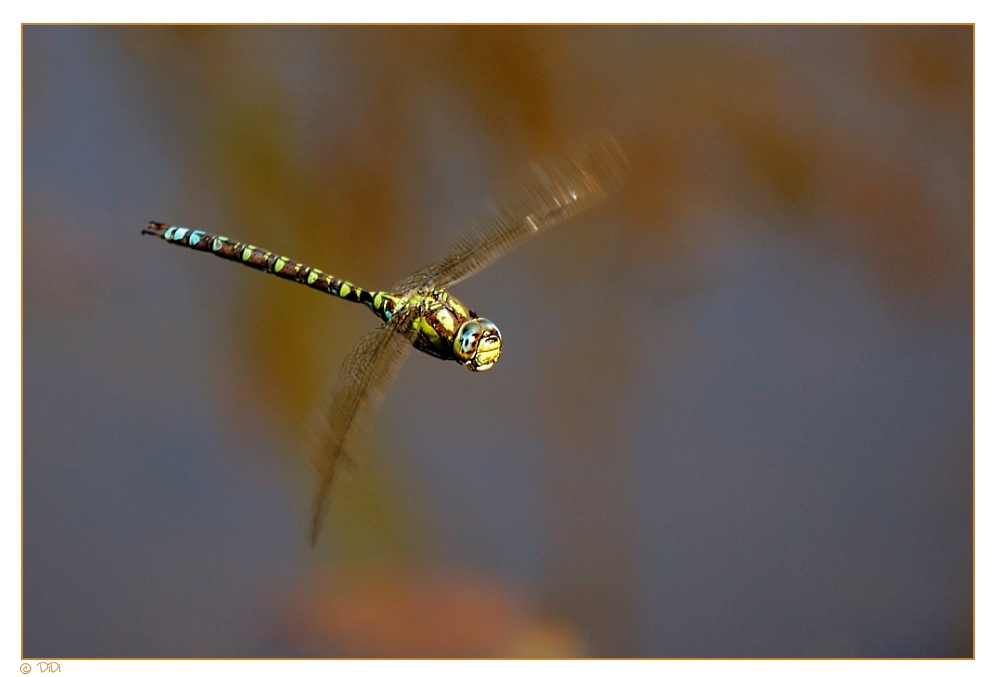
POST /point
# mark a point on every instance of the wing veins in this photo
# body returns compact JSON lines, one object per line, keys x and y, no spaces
{"x":545,"y":194}
{"x":363,"y":380}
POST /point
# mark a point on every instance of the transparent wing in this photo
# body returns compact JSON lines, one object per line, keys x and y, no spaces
{"x":362,"y":382}
{"x":546,"y":193}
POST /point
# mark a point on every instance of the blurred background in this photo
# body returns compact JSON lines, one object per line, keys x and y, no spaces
{"x":734,"y":413}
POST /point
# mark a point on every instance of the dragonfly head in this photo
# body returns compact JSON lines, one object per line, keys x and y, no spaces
{"x":477,"y":344}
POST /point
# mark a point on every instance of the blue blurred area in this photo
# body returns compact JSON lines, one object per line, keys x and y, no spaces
{"x":734,"y":414}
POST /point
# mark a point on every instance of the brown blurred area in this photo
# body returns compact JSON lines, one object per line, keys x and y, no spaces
{"x":713,"y":119}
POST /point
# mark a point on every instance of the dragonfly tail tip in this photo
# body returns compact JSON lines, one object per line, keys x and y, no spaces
{"x":154,"y":228}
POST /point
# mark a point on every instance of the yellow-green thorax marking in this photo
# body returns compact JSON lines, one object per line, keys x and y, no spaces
{"x":437,"y":323}
{"x":448,"y":330}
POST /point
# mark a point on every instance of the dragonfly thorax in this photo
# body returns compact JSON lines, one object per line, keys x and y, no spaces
{"x":447,"y":330}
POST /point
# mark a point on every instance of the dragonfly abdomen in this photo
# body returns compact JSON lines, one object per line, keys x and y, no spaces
{"x":380,"y":303}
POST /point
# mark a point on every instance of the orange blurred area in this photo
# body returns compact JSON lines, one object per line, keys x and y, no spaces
{"x":431,"y":615}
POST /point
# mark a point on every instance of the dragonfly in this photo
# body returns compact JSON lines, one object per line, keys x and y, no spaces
{"x":420,"y":312}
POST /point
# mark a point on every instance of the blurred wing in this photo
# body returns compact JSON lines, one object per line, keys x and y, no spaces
{"x":546,"y":193}
{"x":362,"y":383}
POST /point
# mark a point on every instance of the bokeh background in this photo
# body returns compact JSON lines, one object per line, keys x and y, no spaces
{"x":734,"y":413}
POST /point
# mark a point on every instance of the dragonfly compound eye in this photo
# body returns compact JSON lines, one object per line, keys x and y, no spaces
{"x":477,"y":344}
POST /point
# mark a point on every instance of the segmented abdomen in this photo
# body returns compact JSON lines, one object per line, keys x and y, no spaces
{"x":381,"y":304}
